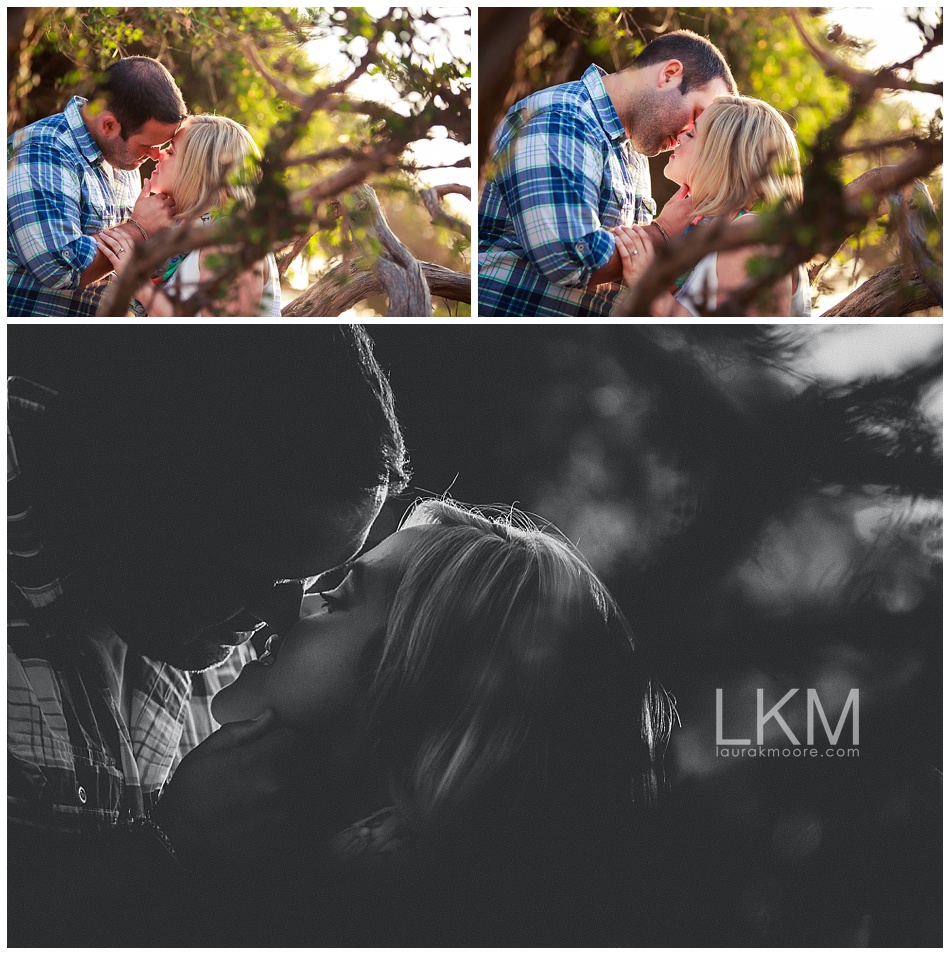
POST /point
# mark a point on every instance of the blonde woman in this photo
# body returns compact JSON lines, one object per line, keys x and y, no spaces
{"x":483,"y":738}
{"x":739,"y":157}
{"x":210,"y":163}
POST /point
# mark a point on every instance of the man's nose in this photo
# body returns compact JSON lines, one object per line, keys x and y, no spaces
{"x":277,"y":605}
{"x":153,"y":152}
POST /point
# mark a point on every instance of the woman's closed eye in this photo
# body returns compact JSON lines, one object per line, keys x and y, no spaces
{"x":338,"y":597}
{"x":331,"y":601}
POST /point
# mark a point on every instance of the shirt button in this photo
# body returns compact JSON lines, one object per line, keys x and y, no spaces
{"x":82,"y":795}
{"x":581,"y":246}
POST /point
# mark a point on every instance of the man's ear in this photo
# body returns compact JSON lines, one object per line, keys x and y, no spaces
{"x":109,"y":125}
{"x":671,"y":73}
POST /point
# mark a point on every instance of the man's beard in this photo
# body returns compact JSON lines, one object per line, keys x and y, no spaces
{"x":120,"y":156}
{"x":202,"y":653}
{"x":652,"y":124}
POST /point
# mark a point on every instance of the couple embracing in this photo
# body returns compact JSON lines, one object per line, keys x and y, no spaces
{"x":76,"y":204}
{"x":447,"y":738}
{"x":567,"y":210}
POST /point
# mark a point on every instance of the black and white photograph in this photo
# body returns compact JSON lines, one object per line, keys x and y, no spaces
{"x":474,"y":635}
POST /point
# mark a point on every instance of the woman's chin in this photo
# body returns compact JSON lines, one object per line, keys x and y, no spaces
{"x":671,"y":174}
{"x":243,"y":699}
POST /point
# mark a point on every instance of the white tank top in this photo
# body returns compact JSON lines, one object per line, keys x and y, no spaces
{"x":187,"y":276}
{"x":701,"y":288}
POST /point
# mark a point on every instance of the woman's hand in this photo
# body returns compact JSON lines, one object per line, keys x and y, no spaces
{"x":636,"y":252}
{"x":115,"y":246}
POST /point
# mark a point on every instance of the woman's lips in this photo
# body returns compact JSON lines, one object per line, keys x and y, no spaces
{"x":271,"y":648}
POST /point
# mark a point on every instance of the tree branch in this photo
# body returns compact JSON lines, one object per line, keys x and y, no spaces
{"x":348,"y":284}
{"x":319,"y":99}
{"x":280,"y":87}
{"x":395,"y":266}
{"x":893,"y":292}
{"x":431,"y":197}
{"x":884,"y":79}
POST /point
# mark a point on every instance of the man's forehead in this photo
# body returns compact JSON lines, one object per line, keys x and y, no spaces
{"x":705,"y":97}
{"x":717,"y":87}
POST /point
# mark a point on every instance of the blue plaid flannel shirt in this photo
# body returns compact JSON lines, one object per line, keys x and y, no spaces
{"x":564,"y":173}
{"x":93,"y":729}
{"x":59,"y":193}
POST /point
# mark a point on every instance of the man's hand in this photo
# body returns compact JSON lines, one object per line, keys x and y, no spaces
{"x":153,"y":213}
{"x":676,"y":215}
{"x":232,"y":792}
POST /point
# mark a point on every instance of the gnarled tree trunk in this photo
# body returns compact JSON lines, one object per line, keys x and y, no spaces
{"x":891,"y":293}
{"x":347,"y":284}
{"x":898,"y":290}
{"x":385,"y":266}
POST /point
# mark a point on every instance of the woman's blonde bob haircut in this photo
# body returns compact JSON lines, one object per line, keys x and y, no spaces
{"x":745,"y":155}
{"x":217,"y":162}
{"x":507,"y":680}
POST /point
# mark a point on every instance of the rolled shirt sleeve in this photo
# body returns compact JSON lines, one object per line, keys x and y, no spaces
{"x":44,"y":196}
{"x":550,"y":176}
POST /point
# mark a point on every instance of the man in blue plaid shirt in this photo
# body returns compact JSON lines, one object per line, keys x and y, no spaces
{"x":570,"y":163}
{"x":72,"y":175}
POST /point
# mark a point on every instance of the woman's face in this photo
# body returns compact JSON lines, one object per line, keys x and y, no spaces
{"x":681,"y":158}
{"x":311,"y":675}
{"x":166,"y":170}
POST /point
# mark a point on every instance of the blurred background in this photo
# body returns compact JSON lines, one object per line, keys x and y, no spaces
{"x":764,"y":501}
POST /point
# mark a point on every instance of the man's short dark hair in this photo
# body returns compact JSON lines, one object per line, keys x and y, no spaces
{"x":137,"y":89}
{"x":246,"y":414}
{"x":702,"y":61}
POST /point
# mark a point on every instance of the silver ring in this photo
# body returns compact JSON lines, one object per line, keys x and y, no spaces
{"x":635,"y":252}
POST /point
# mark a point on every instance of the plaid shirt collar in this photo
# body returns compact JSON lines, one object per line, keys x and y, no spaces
{"x":603,"y":107}
{"x":85,"y":144}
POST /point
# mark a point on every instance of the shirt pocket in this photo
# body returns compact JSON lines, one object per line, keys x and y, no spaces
{"x":98,"y":210}
{"x":50,"y":779}
{"x":618,"y":197}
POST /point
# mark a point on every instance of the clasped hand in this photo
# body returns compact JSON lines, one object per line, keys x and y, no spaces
{"x":151,"y":212}
{"x":231,"y":793}
{"x":636,"y":252}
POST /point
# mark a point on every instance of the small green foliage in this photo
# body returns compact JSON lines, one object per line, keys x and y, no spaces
{"x":758,"y":265}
